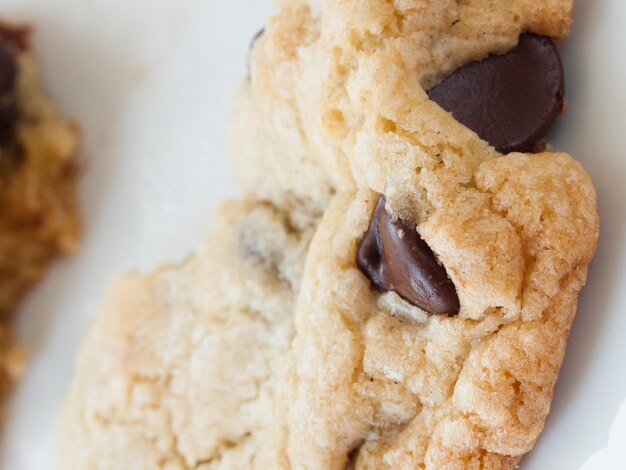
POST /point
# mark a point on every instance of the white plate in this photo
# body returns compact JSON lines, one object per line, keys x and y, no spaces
{"x":150,"y":81}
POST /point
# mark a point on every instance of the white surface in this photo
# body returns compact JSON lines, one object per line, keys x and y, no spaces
{"x":150,"y":80}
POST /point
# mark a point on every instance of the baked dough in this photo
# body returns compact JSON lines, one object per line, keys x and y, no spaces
{"x":38,"y":213}
{"x":335,"y":114}
{"x":180,"y":366}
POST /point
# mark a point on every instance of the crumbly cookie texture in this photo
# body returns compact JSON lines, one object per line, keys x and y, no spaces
{"x":201,"y":368}
{"x":38,"y":214}
{"x":374,"y":382}
{"x":335,"y":114}
{"x":382,"y":389}
{"x":340,"y":85}
{"x":179,"y":368}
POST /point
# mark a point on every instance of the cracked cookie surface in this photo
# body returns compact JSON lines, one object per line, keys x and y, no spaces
{"x":374,"y":380}
{"x":38,"y":213}
{"x":427,"y":391}
{"x":179,"y":367}
{"x":336,"y":97}
{"x":334,"y":115}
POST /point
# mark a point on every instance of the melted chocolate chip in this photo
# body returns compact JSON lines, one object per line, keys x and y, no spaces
{"x":395,"y":258}
{"x":17,"y":36}
{"x":8,"y":119}
{"x":509,"y":100}
{"x":8,"y":109}
{"x":352,"y":457}
{"x":8,"y":71}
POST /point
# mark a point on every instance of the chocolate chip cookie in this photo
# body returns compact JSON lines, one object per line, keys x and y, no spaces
{"x":434,"y":325}
{"x":438,"y":344}
{"x":180,"y":367}
{"x":338,"y":93}
{"x":441,"y":284}
{"x":38,"y":216}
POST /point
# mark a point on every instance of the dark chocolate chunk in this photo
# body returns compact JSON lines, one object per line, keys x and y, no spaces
{"x":8,"y":71}
{"x":353,"y":456}
{"x":16,"y":36}
{"x":8,"y":108}
{"x":8,"y":119}
{"x":509,"y":100}
{"x":394,"y":257}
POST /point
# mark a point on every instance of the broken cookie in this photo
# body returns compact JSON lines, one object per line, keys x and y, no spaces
{"x":431,"y":317}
